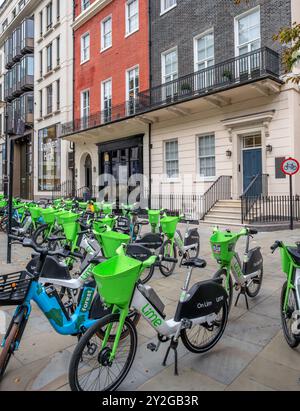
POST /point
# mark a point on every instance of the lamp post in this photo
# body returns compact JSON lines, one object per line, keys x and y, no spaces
{"x":4,"y":104}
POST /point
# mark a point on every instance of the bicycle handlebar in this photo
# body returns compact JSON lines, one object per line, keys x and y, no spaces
{"x":276,"y":245}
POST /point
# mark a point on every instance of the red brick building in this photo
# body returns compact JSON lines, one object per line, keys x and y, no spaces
{"x":111,"y":70}
{"x":125,"y":51}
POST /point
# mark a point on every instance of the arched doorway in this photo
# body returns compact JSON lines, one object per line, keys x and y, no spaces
{"x":88,"y":172}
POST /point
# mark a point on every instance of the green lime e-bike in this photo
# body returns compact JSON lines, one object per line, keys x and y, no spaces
{"x":102,"y":363}
{"x":245,"y":276}
{"x":290,"y":294}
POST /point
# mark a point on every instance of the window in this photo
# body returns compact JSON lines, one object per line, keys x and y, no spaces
{"x":49,"y":15}
{"x":132,"y":16}
{"x":248,"y":32}
{"x":204,"y":58}
{"x":49,"y":57}
{"x":171,"y":158}
{"x":14,"y":13}
{"x":85,"y":107}
{"x":57,"y":10}
{"x":106,"y":33}
{"x":58,"y":95}
{"x":1,"y":93}
{"x":107,"y":100}
{"x":49,"y":159}
{"x":85,"y":48}
{"x":41,"y":103}
{"x":41,"y":63}
{"x":166,"y":5}
{"x":133,"y":88}
{"x":58,"y":51}
{"x":206,"y":155}
{"x":49,"y":99}
{"x":41,"y":24}
{"x":169,"y":72}
{"x":84,"y":4}
{"x":252,"y":141}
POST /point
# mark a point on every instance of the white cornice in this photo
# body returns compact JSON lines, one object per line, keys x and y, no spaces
{"x":90,"y":12}
{"x":264,"y":117}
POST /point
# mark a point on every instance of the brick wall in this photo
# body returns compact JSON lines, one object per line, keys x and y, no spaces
{"x":125,"y":53}
{"x":190,"y":18}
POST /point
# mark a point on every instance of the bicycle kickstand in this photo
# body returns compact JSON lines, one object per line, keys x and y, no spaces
{"x":243,"y":291}
{"x":173,"y":345}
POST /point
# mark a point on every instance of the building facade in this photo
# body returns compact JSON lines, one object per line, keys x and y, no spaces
{"x":111,"y":69}
{"x":37,"y":73}
{"x":17,"y":84}
{"x":53,"y":95}
{"x":218,"y":105}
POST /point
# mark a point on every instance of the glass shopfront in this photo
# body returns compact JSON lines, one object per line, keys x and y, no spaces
{"x":49,"y":159}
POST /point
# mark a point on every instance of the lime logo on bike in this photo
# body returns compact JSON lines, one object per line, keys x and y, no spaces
{"x":152,"y":315}
{"x":86,"y":300}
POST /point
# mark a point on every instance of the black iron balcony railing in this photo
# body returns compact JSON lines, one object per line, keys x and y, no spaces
{"x":250,"y":67}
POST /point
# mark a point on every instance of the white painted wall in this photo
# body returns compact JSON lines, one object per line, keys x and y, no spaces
{"x":283,"y":136}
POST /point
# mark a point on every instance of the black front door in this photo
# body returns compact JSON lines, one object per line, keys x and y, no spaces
{"x":88,"y":172}
{"x":121,"y":160}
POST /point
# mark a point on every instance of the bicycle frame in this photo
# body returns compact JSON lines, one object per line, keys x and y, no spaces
{"x":293,"y":277}
{"x":54,"y":310}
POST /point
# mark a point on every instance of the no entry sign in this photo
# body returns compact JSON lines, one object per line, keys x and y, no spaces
{"x":290,"y":166}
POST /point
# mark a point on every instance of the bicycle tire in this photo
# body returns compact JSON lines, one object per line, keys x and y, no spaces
{"x":292,"y":341}
{"x":162,"y":266}
{"x":78,"y":353}
{"x":259,"y":284}
{"x":223,"y":273}
{"x":208,"y":346}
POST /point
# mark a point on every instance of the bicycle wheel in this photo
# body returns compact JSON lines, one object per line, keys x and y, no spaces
{"x":287,"y":316}
{"x":165,"y":267}
{"x":40,"y":236}
{"x":147,"y":274}
{"x":254,"y":285}
{"x":90,"y":366}
{"x":194,"y":252}
{"x":202,"y":338}
{"x":8,"y":349}
{"x":222,"y":273}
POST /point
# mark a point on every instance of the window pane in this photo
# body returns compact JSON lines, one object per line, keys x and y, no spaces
{"x":207,"y":167}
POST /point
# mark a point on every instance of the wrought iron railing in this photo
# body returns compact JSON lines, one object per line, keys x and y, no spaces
{"x":273,"y":209}
{"x":257,"y":189}
{"x":63,"y":190}
{"x":220,"y":190}
{"x":247,"y":68}
{"x":86,"y":193}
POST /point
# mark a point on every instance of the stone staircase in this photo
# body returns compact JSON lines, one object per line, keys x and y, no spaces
{"x":225,"y":212}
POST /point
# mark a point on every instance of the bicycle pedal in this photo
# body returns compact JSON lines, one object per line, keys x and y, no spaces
{"x":152,"y":347}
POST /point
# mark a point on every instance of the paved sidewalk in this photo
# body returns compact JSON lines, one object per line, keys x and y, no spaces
{"x":252,"y":354}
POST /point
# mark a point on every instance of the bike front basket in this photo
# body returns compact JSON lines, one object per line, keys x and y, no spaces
{"x":71,"y":230}
{"x":35,"y":213}
{"x":116,"y":279}
{"x":49,"y":215}
{"x":223,"y":245}
{"x":111,"y":241}
{"x":14,"y":287}
{"x":169,"y":225}
{"x":107,"y":208}
{"x":154,"y":217}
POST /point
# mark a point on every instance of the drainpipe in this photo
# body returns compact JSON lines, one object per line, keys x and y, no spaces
{"x":73,"y":109}
{"x":150,"y":85}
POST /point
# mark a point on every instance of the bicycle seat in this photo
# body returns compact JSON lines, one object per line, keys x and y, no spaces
{"x":295,"y":254}
{"x":194,"y":262}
